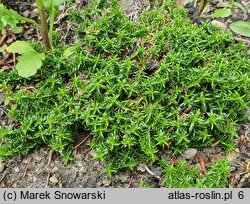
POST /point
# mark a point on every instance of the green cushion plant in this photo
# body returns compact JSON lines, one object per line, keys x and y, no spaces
{"x":182,"y":176}
{"x":138,"y":88}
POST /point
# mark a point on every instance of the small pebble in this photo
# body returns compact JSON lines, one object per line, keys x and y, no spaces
{"x":2,"y":98}
{"x":26,"y":13}
{"x":219,"y":24}
{"x":247,"y":111}
{"x":106,"y":182}
{"x":229,"y":21}
{"x":235,"y":16}
{"x":213,"y":150}
{"x":141,"y":168}
{"x":34,"y":13}
{"x":80,"y":163}
{"x":190,"y":153}
{"x":16,"y":169}
{"x":232,"y":168}
{"x":3,"y":123}
{"x":1,"y":167}
{"x":53,"y":180}
{"x":191,"y":10}
{"x":156,"y":170}
{"x":92,"y":153}
{"x":232,"y":156}
{"x":219,"y":5}
{"x":37,"y":158}
{"x":83,"y":170}
{"x":123,"y":178}
{"x":34,"y":5}
{"x":54,"y":170}
{"x":61,"y":7}
{"x":243,"y":17}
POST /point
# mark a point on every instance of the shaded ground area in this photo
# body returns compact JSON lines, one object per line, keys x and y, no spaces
{"x":41,"y":169}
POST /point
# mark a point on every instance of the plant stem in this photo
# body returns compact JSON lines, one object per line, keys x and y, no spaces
{"x":33,"y":22}
{"x":51,"y":25}
{"x":44,"y":24}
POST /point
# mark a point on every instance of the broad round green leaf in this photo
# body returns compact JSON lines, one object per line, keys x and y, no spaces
{"x":241,"y":27}
{"x":29,"y":63}
{"x":20,"y":47}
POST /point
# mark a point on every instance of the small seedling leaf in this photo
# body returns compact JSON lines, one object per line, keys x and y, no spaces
{"x":52,"y":5}
{"x":239,"y":5}
{"x":235,"y":4}
{"x":20,"y":47}
{"x":221,"y":13}
{"x":206,"y":9}
{"x":1,"y":50}
{"x":241,"y":27}
{"x":17,"y":30}
{"x":11,"y":18}
{"x":68,"y":52}
{"x":29,"y":63}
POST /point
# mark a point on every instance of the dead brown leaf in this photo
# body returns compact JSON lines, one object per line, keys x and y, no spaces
{"x":202,"y":162}
{"x":234,"y":180}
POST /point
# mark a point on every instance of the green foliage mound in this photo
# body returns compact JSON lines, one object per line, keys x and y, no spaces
{"x":184,"y":177}
{"x":138,"y":88}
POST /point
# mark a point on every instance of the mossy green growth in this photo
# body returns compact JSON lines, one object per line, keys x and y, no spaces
{"x":138,"y":88}
{"x":182,"y":176}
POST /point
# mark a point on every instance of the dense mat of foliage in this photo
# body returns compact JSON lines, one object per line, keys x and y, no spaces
{"x":183,"y":177}
{"x":137,"y":87}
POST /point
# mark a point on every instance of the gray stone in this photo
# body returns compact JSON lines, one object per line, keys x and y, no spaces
{"x":243,"y":17}
{"x":26,"y":13}
{"x":156,"y":170}
{"x":235,"y":16}
{"x":124,"y":178}
{"x":229,"y":21}
{"x":191,"y":10}
{"x":106,"y":182}
{"x":232,"y":168}
{"x":16,"y":169}
{"x":83,"y":170}
{"x":2,"y":98}
{"x":219,"y":24}
{"x":141,"y":168}
{"x":54,"y":170}
{"x":247,"y":112}
{"x":220,"y":5}
{"x":34,"y":13}
{"x":1,"y":167}
{"x":190,"y":153}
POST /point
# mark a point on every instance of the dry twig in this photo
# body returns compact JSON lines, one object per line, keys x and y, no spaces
{"x":87,"y":137}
